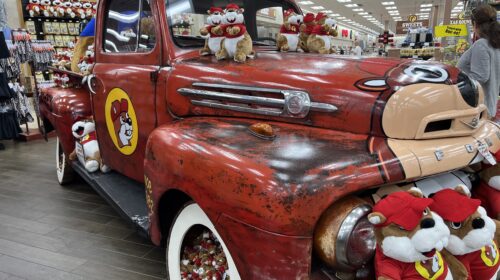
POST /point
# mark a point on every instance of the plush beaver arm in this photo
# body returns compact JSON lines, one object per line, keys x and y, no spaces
{"x":384,"y":278}
{"x":457,"y":269}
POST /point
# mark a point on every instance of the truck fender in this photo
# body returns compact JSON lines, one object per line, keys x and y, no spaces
{"x":281,"y":186}
{"x":61,"y":108}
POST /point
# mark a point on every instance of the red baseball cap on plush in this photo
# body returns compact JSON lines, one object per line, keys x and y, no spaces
{"x":309,"y":18}
{"x":320,"y":16}
{"x":215,"y":9}
{"x":402,"y":209}
{"x":454,"y":206}
{"x":232,"y":6}
{"x":497,"y":156}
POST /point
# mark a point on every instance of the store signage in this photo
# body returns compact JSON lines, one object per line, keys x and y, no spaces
{"x":403,"y":26}
{"x":452,"y":30}
{"x":461,"y":19}
{"x":412,"y":18}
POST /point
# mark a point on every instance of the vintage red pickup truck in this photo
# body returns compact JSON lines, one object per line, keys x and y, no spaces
{"x":178,"y":130}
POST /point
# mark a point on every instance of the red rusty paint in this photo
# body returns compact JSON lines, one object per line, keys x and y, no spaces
{"x":280,"y":186}
{"x":62,"y":108}
{"x":263,"y":196}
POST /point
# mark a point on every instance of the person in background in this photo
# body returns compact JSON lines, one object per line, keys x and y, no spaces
{"x":482,"y":61}
{"x":357,"y":51}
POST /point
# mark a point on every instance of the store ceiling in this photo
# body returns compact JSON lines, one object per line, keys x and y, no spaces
{"x":369,"y":15}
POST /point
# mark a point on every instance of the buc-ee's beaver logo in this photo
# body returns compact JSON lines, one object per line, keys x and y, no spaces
{"x":121,"y":121}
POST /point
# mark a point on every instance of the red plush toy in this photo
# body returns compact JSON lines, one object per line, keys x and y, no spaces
{"x":34,"y":8}
{"x":474,"y":235}
{"x":489,"y":189}
{"x":409,"y":238}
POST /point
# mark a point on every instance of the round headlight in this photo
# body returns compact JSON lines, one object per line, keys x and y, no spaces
{"x":344,"y":238}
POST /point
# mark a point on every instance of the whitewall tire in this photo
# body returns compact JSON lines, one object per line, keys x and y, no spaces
{"x":191,"y":215}
{"x":64,"y":171}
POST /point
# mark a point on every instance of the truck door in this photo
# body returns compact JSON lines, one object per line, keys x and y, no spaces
{"x":128,"y":58}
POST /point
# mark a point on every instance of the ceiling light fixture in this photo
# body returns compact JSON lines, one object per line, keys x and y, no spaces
{"x":306,"y":2}
{"x":387,"y":3}
{"x":352,"y":5}
{"x":318,"y":8}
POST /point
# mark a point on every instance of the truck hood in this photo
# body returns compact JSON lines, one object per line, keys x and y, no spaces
{"x":343,"y":93}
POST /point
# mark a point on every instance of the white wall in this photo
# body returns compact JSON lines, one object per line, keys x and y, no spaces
{"x":13,"y":18}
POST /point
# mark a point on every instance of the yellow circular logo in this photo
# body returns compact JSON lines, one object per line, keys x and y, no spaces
{"x":412,"y":18}
{"x":121,"y":121}
{"x":461,"y":16}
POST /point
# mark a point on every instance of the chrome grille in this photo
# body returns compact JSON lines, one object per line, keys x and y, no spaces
{"x":246,"y":99}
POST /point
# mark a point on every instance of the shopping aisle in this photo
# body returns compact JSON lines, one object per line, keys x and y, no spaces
{"x":53,"y":232}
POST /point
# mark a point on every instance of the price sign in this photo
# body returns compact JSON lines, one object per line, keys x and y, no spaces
{"x":453,"y":30}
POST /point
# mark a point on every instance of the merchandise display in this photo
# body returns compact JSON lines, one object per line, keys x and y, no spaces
{"x":258,"y":139}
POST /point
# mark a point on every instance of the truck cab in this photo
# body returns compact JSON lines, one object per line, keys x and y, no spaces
{"x":183,"y":135}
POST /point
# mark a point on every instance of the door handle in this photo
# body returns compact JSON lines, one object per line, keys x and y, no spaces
{"x":91,"y":83}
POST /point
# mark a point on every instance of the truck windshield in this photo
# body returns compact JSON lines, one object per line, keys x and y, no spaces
{"x":263,"y":19}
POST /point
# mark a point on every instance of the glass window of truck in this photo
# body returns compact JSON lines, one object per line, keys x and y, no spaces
{"x":186,"y":17}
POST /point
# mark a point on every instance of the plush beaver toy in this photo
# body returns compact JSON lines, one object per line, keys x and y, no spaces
{"x":306,"y":29}
{"x":288,"y":38}
{"x":213,"y":32}
{"x":320,"y":39}
{"x":237,"y":43}
{"x":86,"y":147}
{"x":474,"y":236}
{"x":489,"y":189}
{"x":409,"y":237}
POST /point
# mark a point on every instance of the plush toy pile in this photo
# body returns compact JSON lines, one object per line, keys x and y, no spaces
{"x":204,"y":259}
{"x":444,"y":237}
{"x":78,"y":9}
{"x":227,"y":37}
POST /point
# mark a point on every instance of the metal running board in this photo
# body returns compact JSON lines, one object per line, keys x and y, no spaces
{"x":125,"y":195}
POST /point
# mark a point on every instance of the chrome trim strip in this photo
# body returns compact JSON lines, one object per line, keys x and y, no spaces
{"x":345,"y":231}
{"x":237,"y":87}
{"x":213,"y":95}
{"x":211,"y":99}
{"x":211,"y":104}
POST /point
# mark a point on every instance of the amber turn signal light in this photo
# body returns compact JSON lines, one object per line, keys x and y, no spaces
{"x":263,"y":131}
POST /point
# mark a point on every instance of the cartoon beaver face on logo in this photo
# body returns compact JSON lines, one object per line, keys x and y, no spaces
{"x":122,"y":122}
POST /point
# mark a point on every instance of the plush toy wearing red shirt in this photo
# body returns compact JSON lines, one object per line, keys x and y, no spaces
{"x":237,"y":43}
{"x":288,"y":38}
{"x":409,"y":238}
{"x":489,"y":189}
{"x":86,"y":147}
{"x":213,"y":31}
{"x":34,"y":8}
{"x":474,"y":235}
{"x":320,"y":40}
{"x":306,"y":29}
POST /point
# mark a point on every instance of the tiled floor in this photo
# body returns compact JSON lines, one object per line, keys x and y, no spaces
{"x":52,"y":232}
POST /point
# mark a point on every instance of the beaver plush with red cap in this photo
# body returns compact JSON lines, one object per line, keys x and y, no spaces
{"x":306,"y":29}
{"x":288,"y":38}
{"x":474,"y":236}
{"x":489,"y":189}
{"x":409,"y":238}
{"x":320,"y":40}
{"x":237,"y":43}
{"x":213,"y":31}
